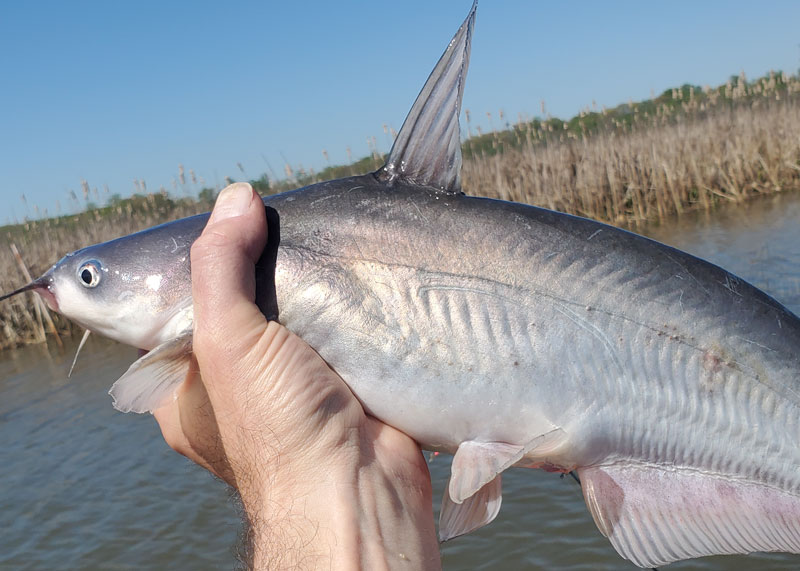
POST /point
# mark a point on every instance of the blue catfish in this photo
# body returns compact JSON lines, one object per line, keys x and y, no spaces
{"x":505,"y":334}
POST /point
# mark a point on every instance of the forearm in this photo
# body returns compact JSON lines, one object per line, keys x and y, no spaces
{"x":356,"y":514}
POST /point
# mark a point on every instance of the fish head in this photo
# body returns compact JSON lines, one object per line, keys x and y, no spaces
{"x":135,"y":289}
{"x":126,"y":299}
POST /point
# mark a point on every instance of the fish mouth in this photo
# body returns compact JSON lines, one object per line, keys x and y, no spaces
{"x":42,"y":286}
{"x":48,"y":296}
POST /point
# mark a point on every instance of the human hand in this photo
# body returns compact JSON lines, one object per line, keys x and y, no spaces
{"x":321,"y":482}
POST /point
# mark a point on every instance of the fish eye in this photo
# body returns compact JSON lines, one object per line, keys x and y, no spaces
{"x":89,"y":273}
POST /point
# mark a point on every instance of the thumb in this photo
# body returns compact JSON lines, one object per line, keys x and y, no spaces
{"x":223,"y":271}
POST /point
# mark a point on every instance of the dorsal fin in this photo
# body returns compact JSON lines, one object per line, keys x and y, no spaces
{"x":427,"y":150}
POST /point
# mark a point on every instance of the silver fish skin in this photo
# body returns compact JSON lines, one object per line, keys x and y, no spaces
{"x":648,"y":367}
{"x":506,"y":334}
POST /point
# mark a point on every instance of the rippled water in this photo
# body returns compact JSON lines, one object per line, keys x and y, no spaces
{"x":84,"y":487}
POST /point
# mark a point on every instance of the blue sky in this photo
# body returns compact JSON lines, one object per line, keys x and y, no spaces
{"x":113,"y":92}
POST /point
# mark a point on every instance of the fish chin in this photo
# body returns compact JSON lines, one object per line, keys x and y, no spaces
{"x":136,"y":322}
{"x":144,"y":330}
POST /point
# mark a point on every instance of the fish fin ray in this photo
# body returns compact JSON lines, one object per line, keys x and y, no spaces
{"x":150,"y":382}
{"x":427,"y":150}
{"x":473,"y":513}
{"x":654,"y":516}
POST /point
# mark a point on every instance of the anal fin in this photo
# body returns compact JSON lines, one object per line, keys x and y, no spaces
{"x":150,"y":382}
{"x":656,"y":515}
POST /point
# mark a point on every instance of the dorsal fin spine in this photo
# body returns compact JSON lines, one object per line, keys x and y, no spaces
{"x":427,"y":150}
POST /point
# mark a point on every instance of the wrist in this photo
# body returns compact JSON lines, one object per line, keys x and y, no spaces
{"x":290,"y":519}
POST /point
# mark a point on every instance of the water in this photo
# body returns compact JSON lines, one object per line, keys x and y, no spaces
{"x":85,"y":487}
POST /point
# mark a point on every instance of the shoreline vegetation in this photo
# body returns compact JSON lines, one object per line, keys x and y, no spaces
{"x":689,"y":148}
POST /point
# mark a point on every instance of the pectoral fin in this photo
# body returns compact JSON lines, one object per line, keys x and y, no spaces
{"x":151,"y":381}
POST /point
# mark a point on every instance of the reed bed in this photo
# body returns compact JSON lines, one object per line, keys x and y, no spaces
{"x":652,"y":170}
{"x":688,"y":149}
{"x":41,"y":243}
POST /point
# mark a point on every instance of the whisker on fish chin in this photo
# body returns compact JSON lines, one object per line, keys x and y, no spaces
{"x":78,"y":352}
{"x":27,"y":287}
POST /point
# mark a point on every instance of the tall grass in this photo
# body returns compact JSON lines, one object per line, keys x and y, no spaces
{"x":43,"y":242}
{"x":689,"y":148}
{"x":651,"y":169}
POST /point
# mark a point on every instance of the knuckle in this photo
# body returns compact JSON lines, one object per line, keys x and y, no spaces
{"x":209,"y":244}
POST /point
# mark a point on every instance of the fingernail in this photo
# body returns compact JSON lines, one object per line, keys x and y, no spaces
{"x":233,"y":200}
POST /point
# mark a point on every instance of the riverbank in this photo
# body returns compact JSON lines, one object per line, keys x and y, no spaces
{"x":664,"y":166}
{"x":688,"y":149}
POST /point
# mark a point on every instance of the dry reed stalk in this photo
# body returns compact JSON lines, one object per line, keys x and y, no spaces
{"x":653,"y":169}
{"x":42,"y":311}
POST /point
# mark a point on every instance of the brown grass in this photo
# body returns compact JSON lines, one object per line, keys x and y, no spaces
{"x":728,"y":145}
{"x":657,"y":168}
{"x":41,"y":243}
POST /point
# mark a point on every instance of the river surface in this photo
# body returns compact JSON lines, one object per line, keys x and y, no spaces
{"x":85,"y":487}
